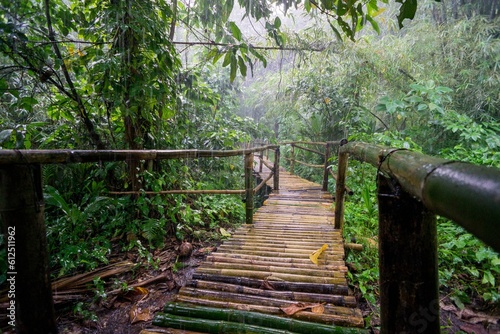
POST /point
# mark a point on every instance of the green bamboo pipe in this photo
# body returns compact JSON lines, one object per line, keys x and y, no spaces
{"x":255,"y":319}
{"x":465,"y":193}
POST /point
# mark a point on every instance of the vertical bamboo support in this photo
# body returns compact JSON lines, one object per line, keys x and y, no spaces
{"x":409,"y":298}
{"x":325,"y":171}
{"x":276,"y":177}
{"x":22,"y":214}
{"x":261,"y":156}
{"x":292,"y":159}
{"x":249,"y":188}
{"x":340,"y":188}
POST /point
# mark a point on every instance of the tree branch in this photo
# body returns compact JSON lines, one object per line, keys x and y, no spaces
{"x":95,"y":138}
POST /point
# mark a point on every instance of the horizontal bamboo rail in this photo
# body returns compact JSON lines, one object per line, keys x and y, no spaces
{"x":181,"y":191}
{"x":304,"y":163}
{"x":309,"y":149}
{"x":8,"y":157}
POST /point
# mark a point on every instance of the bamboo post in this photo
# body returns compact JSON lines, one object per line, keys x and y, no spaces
{"x":30,"y":306}
{"x":276,"y":170}
{"x":292,"y":159}
{"x":261,"y":156}
{"x":340,"y":187}
{"x":249,"y":187}
{"x":325,"y":171}
{"x":409,"y":299}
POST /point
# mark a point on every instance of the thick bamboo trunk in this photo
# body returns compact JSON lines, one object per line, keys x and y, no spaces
{"x":355,"y":319}
{"x":334,"y":289}
{"x":338,"y":300}
{"x":273,"y":269}
{"x":254,"y":318}
{"x":210,"y":326}
{"x":217,"y":258}
{"x":267,"y":275}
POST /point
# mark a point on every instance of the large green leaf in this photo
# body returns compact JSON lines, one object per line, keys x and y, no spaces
{"x":234,"y":67}
{"x":235,"y":31}
{"x":407,"y":10}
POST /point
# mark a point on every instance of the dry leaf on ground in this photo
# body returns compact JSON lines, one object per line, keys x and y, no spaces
{"x":294,"y":308}
{"x":136,"y":314}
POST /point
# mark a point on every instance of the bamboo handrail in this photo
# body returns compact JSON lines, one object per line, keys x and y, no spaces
{"x":465,"y":193}
{"x":412,"y":188}
{"x":305,"y":163}
{"x":310,"y":150}
{"x":180,"y":191}
{"x":263,"y":182}
{"x":78,"y":156}
{"x":267,"y":164}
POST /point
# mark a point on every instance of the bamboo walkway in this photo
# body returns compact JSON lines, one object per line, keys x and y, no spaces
{"x":265,"y":267}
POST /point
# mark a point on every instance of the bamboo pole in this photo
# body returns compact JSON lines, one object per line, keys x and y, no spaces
{"x":254,"y":318}
{"x":221,"y":258}
{"x":337,"y":300}
{"x":340,"y":188}
{"x":78,"y":156}
{"x":292,"y":159}
{"x":311,"y":150}
{"x":276,"y":170}
{"x":305,"y":163}
{"x":263,"y":182}
{"x":325,"y":170}
{"x":303,"y":142}
{"x":353,"y":320}
{"x":210,"y":326}
{"x":179,"y":191}
{"x":319,"y":271}
{"x":409,"y":293}
{"x":268,"y":165}
{"x":261,"y":156}
{"x":334,"y":289}
{"x":249,"y":188}
{"x":465,"y":193}
{"x":31,"y":306}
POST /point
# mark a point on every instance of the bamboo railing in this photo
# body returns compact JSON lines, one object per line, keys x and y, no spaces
{"x":326,"y":154}
{"x":22,"y":216}
{"x":411,"y":189}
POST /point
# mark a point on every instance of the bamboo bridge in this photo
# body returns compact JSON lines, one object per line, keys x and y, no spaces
{"x":265,"y":267}
{"x":262,"y":279}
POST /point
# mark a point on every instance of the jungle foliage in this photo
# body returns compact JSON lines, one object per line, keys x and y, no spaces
{"x":119,"y":75}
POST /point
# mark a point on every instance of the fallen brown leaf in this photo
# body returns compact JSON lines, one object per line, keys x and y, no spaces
{"x":294,"y":308}
{"x":137,"y":315}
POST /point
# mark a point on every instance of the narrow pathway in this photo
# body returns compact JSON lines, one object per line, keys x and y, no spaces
{"x":265,"y":267}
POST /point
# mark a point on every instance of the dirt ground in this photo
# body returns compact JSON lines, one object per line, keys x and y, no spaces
{"x":132,"y":312}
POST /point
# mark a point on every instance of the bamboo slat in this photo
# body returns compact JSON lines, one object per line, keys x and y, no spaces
{"x":265,"y":265}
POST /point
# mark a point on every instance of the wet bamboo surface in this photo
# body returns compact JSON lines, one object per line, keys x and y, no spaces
{"x":265,"y":266}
